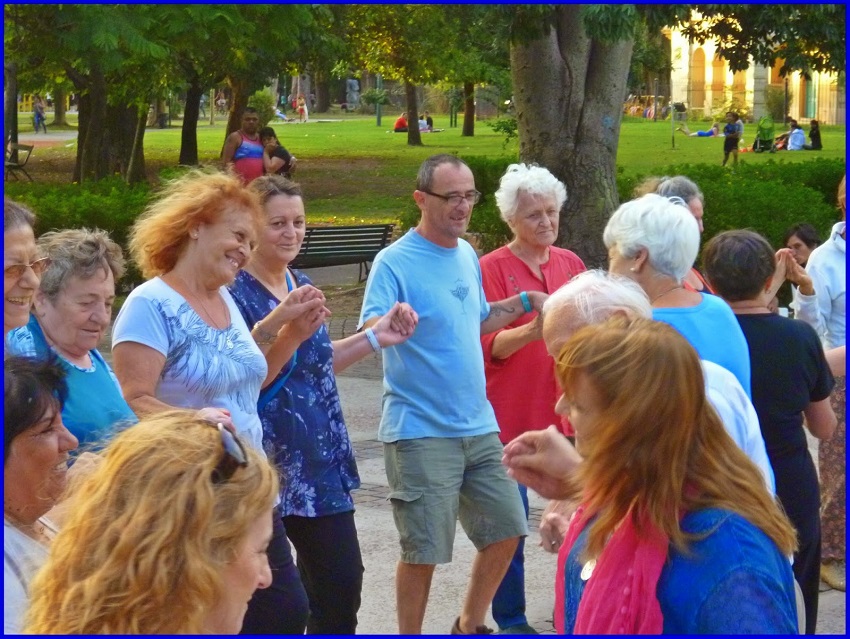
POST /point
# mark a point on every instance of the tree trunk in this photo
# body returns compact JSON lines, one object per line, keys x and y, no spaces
{"x":238,"y":102}
{"x":11,"y":105}
{"x":468,"y":110}
{"x":189,"y":133}
{"x":92,"y":163}
{"x":323,"y":92}
{"x":414,"y":137}
{"x":136,"y":171}
{"x":119,"y":140}
{"x":574,"y":136}
{"x":59,"y":97}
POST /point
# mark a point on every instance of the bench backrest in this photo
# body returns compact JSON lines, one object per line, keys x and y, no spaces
{"x":338,"y":245}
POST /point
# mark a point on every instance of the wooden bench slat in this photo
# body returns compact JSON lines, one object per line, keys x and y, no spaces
{"x":340,"y":245}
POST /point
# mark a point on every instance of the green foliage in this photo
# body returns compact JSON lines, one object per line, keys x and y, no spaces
{"x":506,"y":126}
{"x":264,"y":102}
{"x":767,"y":198}
{"x":375,"y":96}
{"x":775,"y":102}
{"x":110,"y":205}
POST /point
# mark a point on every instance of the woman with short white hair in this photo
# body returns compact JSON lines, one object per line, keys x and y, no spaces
{"x":654,"y":240}
{"x":530,"y":199}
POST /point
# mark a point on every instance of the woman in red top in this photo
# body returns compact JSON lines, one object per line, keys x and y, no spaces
{"x":530,"y":199}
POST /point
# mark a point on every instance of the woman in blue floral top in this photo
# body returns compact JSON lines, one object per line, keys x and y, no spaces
{"x":300,"y":409}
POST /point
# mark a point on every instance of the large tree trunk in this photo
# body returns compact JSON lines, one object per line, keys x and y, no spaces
{"x":414,"y":137}
{"x":238,"y":102}
{"x":189,"y":133}
{"x":90,"y":158}
{"x":468,"y":110}
{"x":136,"y":169}
{"x":119,"y":139}
{"x":11,"y":105}
{"x":323,"y":92}
{"x":574,"y":136}
{"x":59,"y":97}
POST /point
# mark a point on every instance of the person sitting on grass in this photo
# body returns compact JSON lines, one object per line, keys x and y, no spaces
{"x":400,"y":125}
{"x":712,"y":132}
{"x":814,"y":136}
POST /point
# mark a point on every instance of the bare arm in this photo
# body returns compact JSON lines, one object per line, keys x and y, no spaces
{"x":510,"y":340}
{"x":837,"y":360}
{"x":138,"y":369}
{"x":390,"y":329}
{"x":508,"y":310}
{"x":543,"y":460}
{"x":230,"y":145}
{"x":820,"y":419}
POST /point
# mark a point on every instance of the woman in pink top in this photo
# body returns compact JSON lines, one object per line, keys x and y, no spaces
{"x":516,"y":363}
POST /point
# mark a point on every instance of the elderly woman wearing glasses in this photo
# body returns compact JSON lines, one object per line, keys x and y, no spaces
{"x":180,"y":341}
{"x":530,"y":199}
{"x":72,"y":310}
{"x":36,"y":448}
{"x":168,"y":536}
{"x":22,"y":265}
{"x":654,"y":241}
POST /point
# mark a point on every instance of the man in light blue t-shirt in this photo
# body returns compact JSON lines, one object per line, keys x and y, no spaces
{"x":441,"y":446}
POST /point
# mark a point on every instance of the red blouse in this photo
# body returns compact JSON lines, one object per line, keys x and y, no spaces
{"x":522,"y":388}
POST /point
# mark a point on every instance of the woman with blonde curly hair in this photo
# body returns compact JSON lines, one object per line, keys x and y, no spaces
{"x":180,"y":340}
{"x":168,"y":535}
{"x":676,"y":532}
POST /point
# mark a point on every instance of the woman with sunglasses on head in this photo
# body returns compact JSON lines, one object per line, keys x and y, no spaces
{"x":180,"y":341}
{"x":71,"y":312}
{"x":22,"y":265}
{"x":168,"y":536}
{"x":300,"y":407}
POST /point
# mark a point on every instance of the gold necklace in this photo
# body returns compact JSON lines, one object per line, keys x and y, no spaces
{"x":669,"y":290}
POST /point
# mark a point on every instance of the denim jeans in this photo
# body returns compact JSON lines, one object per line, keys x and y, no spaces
{"x":509,"y":601}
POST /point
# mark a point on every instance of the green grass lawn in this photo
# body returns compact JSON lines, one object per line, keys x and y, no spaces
{"x":353,"y":170}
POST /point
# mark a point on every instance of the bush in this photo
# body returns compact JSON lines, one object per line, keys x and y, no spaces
{"x":505,"y":125}
{"x":110,"y":205}
{"x":775,"y":102}
{"x":264,"y":102}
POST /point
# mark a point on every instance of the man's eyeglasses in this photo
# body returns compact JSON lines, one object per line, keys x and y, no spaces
{"x":471,"y":198}
{"x":234,"y":456}
{"x":17,"y":270}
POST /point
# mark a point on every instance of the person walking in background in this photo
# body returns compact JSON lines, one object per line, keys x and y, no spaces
{"x":303,"y":113}
{"x":39,"y":115}
{"x":530,"y":200}
{"x":441,"y":446}
{"x":243,"y":149}
{"x":826,"y":312}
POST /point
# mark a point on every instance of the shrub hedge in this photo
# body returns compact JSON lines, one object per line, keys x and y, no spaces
{"x":767,"y":198}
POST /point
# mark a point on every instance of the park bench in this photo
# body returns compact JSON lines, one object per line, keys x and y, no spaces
{"x":14,"y":163}
{"x":341,"y":245}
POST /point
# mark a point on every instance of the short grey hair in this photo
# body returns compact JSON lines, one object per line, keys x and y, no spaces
{"x":594,"y":296}
{"x":679,"y":186}
{"x":425,"y":177}
{"x":78,"y":253}
{"x":15,"y":215}
{"x":667,"y":230}
{"x":532,"y":179}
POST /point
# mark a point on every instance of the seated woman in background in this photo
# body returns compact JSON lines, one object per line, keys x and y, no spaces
{"x":276,"y":159}
{"x":72,"y":310}
{"x":400,"y":125}
{"x":22,"y":265}
{"x":669,"y":501}
{"x":814,"y":136}
{"x":129,"y":561}
{"x":788,"y":383}
{"x":36,"y":447}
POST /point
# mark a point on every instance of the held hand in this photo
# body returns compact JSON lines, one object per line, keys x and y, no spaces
{"x":543,"y":460}
{"x":303,"y":326}
{"x":554,"y":524}
{"x":537,"y":298}
{"x":302,"y":300}
{"x":217,"y":416}
{"x":796,"y":274}
{"x":396,"y":326}
{"x":779,"y":271}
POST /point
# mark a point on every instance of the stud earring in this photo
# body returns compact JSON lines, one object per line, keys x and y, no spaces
{"x":632,"y":269}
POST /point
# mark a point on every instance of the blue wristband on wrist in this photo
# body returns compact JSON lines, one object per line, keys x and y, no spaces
{"x":373,"y":340}
{"x":526,"y":304}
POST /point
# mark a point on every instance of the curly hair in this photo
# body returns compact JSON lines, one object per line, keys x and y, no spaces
{"x":162,"y":231}
{"x":533,"y":179}
{"x":658,"y":447}
{"x":150,"y":533}
{"x":77,"y":252}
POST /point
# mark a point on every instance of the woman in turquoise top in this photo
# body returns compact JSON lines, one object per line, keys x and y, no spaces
{"x":71,"y":311}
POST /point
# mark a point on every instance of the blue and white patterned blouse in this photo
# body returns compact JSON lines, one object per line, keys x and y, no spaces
{"x":303,"y":426}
